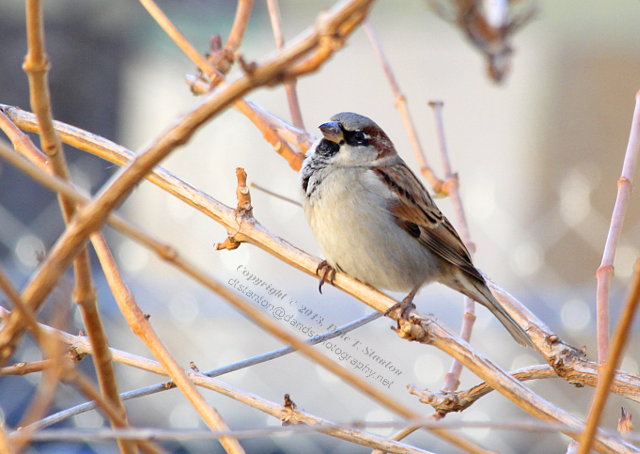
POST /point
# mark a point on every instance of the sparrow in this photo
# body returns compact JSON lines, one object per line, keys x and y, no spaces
{"x":374,"y":220}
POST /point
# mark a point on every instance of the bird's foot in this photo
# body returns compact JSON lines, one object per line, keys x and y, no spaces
{"x":328,"y":274}
{"x":405,"y":307}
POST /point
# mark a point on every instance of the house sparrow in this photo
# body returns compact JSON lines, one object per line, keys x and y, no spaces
{"x":375,"y":221}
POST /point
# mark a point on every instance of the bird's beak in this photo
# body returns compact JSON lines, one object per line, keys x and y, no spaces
{"x":332,"y":131}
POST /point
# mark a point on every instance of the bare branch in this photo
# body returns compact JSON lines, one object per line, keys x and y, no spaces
{"x":289,"y":85}
{"x":619,"y":341}
{"x":403,"y":108}
{"x":36,"y":66}
{"x":141,"y":327}
{"x":425,"y":330}
{"x":80,"y":344}
{"x":26,"y":368}
{"x":605,"y":270}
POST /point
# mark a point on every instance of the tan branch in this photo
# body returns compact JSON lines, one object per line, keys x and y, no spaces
{"x":62,"y":369}
{"x":423,"y":329}
{"x":401,"y":104}
{"x":605,"y":270}
{"x":141,"y":326}
{"x":223,"y":58}
{"x":563,"y":357}
{"x":289,"y":85}
{"x":85,"y":296}
{"x":218,"y":66}
{"x":80,"y":345}
{"x":620,"y":338}
{"x":26,"y":368}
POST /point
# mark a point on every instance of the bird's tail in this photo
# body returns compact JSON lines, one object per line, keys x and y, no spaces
{"x":478,"y":291}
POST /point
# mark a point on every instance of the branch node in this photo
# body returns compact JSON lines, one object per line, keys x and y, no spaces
{"x":229,"y":244}
{"x":244,"y":208}
{"x":289,"y":412}
{"x":623,"y":181}
{"x":625,"y":425}
{"x":412,"y":329}
{"x":247,"y":67}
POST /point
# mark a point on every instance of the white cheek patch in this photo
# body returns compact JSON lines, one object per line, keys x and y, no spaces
{"x":355,"y":156}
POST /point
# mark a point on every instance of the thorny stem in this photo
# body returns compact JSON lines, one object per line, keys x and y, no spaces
{"x":605,"y":270}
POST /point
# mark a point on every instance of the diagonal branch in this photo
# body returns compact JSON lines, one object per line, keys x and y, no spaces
{"x":171,"y":255}
{"x":565,"y":359}
{"x":80,"y":344}
{"x":140,"y":325}
{"x":36,"y":66}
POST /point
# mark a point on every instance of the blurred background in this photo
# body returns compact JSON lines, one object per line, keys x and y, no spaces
{"x":538,"y":159}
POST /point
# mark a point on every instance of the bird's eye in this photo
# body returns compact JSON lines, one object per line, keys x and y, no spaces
{"x":359,"y":137}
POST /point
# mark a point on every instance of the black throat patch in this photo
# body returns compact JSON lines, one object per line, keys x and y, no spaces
{"x":327,"y":148}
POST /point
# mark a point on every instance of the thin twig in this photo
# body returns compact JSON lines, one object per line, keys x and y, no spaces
{"x":36,"y":67}
{"x":51,"y":349}
{"x":403,"y":108}
{"x":290,"y":84}
{"x":195,"y":434}
{"x":619,"y":341}
{"x":451,"y":185}
{"x":275,"y":194}
{"x":605,"y":270}
{"x":80,"y":345}
{"x":26,"y":368}
{"x":444,"y":402}
{"x":63,"y":369}
{"x":140,"y":326}
{"x":222,"y":59}
{"x":216,"y":74}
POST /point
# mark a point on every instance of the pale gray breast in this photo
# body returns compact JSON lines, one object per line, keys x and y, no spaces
{"x":349,"y":216}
